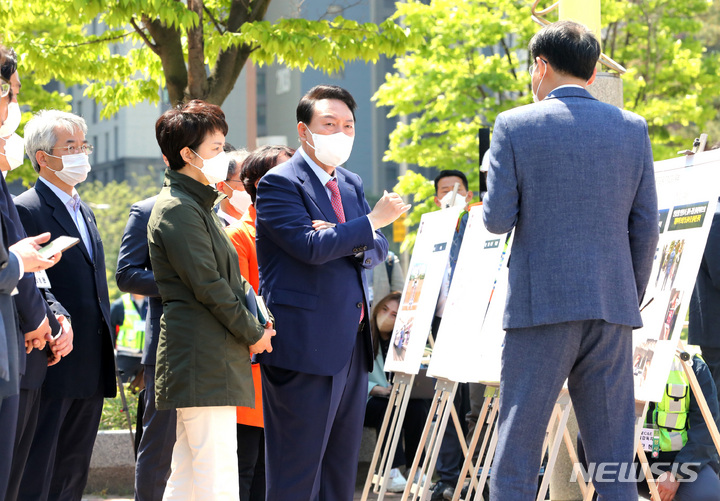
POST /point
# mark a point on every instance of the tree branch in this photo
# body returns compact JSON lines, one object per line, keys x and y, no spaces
{"x":214,"y":21}
{"x":142,"y":34}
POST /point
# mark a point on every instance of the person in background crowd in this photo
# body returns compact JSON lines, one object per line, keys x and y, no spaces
{"x":385,"y":279}
{"x":72,"y":394}
{"x":134,"y":274}
{"x":232,"y":208}
{"x":450,"y":457}
{"x":382,"y":322}
{"x":127,"y":321}
{"x":208,"y":329}
{"x":251,"y":456}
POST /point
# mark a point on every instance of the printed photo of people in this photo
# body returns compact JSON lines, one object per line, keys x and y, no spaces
{"x":642,"y":358}
{"x":402,"y":338}
{"x":416,"y":279}
{"x":669,"y":263}
{"x":671,"y":314}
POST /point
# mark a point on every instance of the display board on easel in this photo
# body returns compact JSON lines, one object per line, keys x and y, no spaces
{"x":688,"y":189}
{"x":458,"y":346}
{"x":422,"y":287}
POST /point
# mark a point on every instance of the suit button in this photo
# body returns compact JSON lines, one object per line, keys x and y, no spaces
{"x":368,"y":261}
{"x":364,"y":247}
{"x":359,"y":305}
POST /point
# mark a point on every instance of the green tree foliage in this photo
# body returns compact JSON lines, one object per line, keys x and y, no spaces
{"x":192,"y":49}
{"x":465,"y":70}
{"x":672,"y":77}
{"x":470,"y":65}
{"x":111,"y":204}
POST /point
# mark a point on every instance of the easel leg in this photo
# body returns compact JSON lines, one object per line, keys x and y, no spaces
{"x":391,"y":427}
{"x":566,"y":405}
{"x":468,"y":463}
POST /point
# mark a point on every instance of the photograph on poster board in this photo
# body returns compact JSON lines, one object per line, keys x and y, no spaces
{"x":422,"y":287}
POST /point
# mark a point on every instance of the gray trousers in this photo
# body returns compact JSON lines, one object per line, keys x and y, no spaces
{"x":156,"y":445}
{"x":596,"y":359}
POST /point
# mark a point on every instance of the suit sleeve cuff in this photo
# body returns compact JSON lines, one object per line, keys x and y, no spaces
{"x":21,"y":266}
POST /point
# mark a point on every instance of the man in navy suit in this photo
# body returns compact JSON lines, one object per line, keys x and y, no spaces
{"x":134,"y":274}
{"x":574,"y":177}
{"x":72,"y":394}
{"x":28,"y":318}
{"x":315,"y":236}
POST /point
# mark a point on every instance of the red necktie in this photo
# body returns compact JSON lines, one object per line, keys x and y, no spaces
{"x":340,"y":214}
{"x":335,"y":200}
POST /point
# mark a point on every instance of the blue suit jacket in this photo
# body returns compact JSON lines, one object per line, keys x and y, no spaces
{"x":79,"y":284}
{"x":574,"y":177}
{"x":134,"y":273}
{"x":9,"y":330}
{"x":704,"y":328}
{"x":313,"y":281}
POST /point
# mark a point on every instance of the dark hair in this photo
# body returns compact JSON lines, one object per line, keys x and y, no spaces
{"x":187,"y":125}
{"x":569,"y":47}
{"x":306,"y":106}
{"x":8,"y":60}
{"x":452,"y":173}
{"x":393,"y":296}
{"x":258,"y":163}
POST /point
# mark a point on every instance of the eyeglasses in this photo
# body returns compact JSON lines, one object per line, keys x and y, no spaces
{"x":4,"y":87}
{"x":531,"y":68}
{"x":72,"y":149}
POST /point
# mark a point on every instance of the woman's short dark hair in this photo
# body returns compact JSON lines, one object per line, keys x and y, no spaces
{"x":8,"y":64}
{"x":306,"y":106}
{"x":569,"y":47}
{"x":393,"y":296}
{"x":187,"y":125}
{"x":258,"y":163}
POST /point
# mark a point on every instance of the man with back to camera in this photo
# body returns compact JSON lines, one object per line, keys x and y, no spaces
{"x":315,"y":235}
{"x":72,"y":394}
{"x":575,"y":178}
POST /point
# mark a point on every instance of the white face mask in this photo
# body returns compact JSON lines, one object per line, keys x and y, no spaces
{"x":215,"y":169}
{"x":331,"y":149}
{"x":240,"y":200}
{"x":14,"y":151}
{"x":12,"y":121}
{"x":75,"y":168}
{"x":459,"y":201}
{"x":535,"y":93}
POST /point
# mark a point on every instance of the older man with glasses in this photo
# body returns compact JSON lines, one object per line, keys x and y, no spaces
{"x":72,"y":392}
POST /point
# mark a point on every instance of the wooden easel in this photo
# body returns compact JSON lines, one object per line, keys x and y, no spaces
{"x":379,"y":478}
{"x":441,"y":409}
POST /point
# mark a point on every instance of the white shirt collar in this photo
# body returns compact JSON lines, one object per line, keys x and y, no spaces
{"x":568,"y":85}
{"x":321,"y":173}
{"x":64,"y":197}
{"x":227,"y":217}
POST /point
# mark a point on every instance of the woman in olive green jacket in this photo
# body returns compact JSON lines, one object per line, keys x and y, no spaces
{"x":207,"y":331}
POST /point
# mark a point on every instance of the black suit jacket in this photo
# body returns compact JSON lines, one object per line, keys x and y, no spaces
{"x":79,"y":286}
{"x":134,"y":273}
{"x":29,"y":303}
